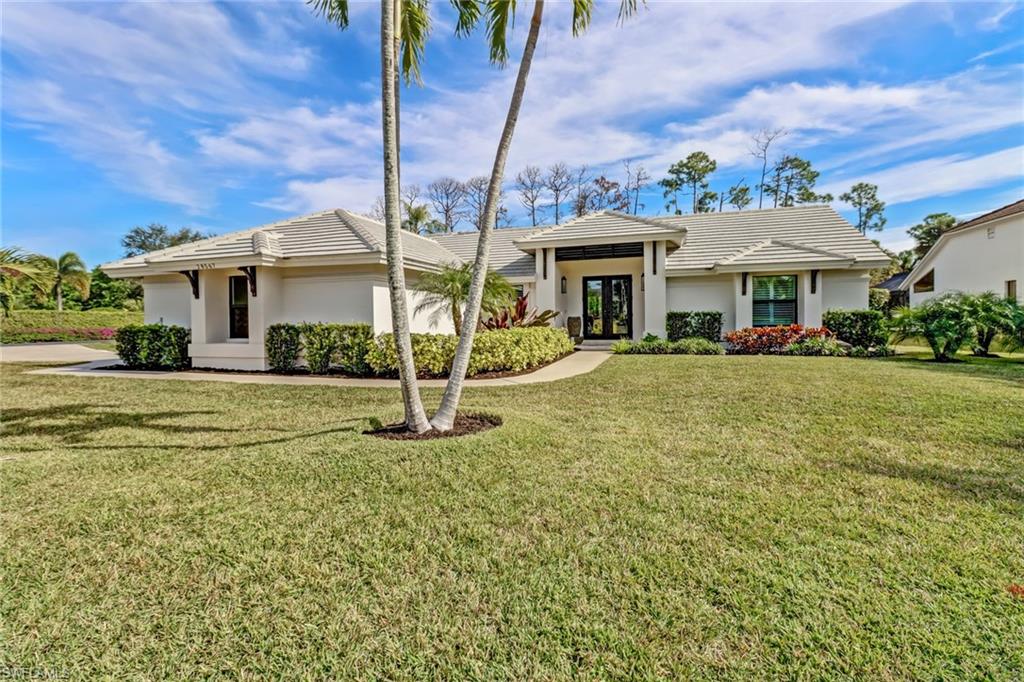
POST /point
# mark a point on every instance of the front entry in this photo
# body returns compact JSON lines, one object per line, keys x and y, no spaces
{"x":608,"y":307}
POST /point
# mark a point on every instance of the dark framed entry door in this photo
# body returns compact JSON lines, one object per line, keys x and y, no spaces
{"x":608,"y":307}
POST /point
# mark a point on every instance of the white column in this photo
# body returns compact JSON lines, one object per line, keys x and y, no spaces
{"x":546,"y":289}
{"x":744,"y":302}
{"x":654,"y":288}
{"x":811,"y":301}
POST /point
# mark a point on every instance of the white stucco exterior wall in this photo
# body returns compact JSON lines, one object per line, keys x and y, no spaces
{"x":844,"y":289}
{"x":166,"y":300}
{"x":976,"y":260}
{"x":689,"y":294}
{"x":654,"y":289}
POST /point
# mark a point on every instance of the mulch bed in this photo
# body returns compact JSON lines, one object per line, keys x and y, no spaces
{"x":465,"y":424}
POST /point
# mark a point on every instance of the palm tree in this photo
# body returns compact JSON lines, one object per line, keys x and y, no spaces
{"x":446,"y":291}
{"x":419,"y":220}
{"x":67,"y":269}
{"x":403,"y":30}
{"x":14,"y":264}
{"x":499,"y":19}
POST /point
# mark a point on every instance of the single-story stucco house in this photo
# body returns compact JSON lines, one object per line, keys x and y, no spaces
{"x":982,"y":254}
{"x":619,"y":273}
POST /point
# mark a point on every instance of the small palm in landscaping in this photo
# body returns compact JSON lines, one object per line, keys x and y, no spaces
{"x":992,"y":316}
{"x":944,"y":322}
{"x":446,"y":292}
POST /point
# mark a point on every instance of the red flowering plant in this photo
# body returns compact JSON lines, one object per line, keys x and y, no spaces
{"x":771,"y":340}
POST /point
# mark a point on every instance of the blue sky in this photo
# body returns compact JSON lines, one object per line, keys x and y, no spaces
{"x":225,"y":116}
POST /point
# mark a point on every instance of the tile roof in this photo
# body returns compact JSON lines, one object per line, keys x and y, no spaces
{"x":1003,"y":212}
{"x":327,"y":233}
{"x":604,"y":224}
{"x":748,"y":239}
{"x":712,"y":238}
{"x":505,"y":258}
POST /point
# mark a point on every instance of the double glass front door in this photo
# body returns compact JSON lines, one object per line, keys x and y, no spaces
{"x":608,"y":307}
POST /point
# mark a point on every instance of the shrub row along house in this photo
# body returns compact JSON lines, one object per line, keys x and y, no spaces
{"x":610,"y":275}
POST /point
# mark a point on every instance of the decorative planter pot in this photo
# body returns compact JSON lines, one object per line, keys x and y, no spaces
{"x":575,"y":326}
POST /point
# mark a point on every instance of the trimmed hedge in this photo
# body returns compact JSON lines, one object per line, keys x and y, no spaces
{"x":283,"y":343}
{"x":25,"y":326}
{"x":863,"y":328}
{"x":499,"y":350}
{"x":153,"y":346}
{"x":324,"y":345}
{"x":690,"y":346}
{"x":703,"y":324}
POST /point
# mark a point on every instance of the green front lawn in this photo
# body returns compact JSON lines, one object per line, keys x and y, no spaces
{"x":662,"y":517}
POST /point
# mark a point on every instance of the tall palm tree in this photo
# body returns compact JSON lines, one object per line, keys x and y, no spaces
{"x":499,"y":18}
{"x":68,"y":269}
{"x":447,"y":290}
{"x":403,"y":32}
{"x":14,"y":264}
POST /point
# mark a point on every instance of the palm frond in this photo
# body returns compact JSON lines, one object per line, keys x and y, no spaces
{"x":501,"y":16}
{"x":334,"y":11}
{"x":581,"y":13}
{"x":415,"y":29}
{"x":627,"y":8}
{"x":469,"y":15}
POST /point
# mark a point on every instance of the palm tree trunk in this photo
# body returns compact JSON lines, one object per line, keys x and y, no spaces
{"x":57,"y":289}
{"x":445,"y":416}
{"x":415,"y":416}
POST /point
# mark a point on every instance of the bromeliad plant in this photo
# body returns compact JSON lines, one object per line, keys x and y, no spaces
{"x":516,"y":315}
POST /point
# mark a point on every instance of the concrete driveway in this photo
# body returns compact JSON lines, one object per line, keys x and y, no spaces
{"x":52,"y":352}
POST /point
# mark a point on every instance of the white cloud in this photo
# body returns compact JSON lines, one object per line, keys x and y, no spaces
{"x":355,"y":193}
{"x":128,"y":154}
{"x":994,"y":22}
{"x":941,"y":176}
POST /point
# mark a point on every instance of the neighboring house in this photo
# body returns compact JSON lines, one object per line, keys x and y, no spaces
{"x":619,"y":273}
{"x":979,"y":255}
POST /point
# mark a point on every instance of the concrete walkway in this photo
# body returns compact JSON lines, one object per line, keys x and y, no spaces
{"x":52,"y":352}
{"x":569,"y":366}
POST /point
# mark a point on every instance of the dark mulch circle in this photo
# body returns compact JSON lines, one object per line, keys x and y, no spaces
{"x":465,"y":424}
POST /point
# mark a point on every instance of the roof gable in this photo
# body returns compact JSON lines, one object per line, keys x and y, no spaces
{"x":604,"y":227}
{"x":326,"y":234}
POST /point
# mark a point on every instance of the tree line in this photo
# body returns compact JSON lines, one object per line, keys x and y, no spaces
{"x":34,"y":281}
{"x":561,"y":191}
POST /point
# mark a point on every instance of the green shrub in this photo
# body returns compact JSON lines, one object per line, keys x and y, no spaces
{"x":517,"y":349}
{"x":432,"y":354}
{"x":690,"y":346}
{"x":875,"y":352}
{"x":815,"y":345}
{"x":992,"y":316}
{"x":697,"y":346}
{"x":283,"y":343}
{"x":153,"y":346}
{"x":943,"y":322}
{"x":354,"y":342}
{"x":324,"y":345}
{"x":23,"y":326}
{"x":500,"y":350}
{"x":705,"y":324}
{"x":857,"y":327}
{"x":878,"y":299}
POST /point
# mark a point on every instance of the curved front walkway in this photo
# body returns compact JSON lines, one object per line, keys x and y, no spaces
{"x":578,"y":363}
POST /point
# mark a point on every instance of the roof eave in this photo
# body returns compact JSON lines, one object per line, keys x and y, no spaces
{"x":529,"y":245}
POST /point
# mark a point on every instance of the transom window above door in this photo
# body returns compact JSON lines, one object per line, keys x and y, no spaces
{"x":774,"y":300}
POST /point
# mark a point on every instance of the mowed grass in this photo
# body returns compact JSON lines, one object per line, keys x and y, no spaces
{"x":661,"y":517}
